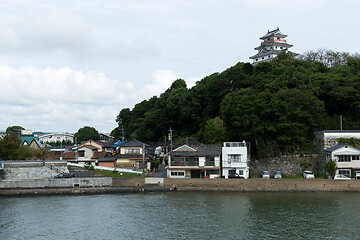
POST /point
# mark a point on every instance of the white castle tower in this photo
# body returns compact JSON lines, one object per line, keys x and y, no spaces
{"x":273,"y":43}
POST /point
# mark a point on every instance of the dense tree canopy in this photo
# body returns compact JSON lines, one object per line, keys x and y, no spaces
{"x":86,"y":133}
{"x":275,"y":105}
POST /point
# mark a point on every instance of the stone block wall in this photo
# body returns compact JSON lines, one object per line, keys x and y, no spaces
{"x":288,"y":165}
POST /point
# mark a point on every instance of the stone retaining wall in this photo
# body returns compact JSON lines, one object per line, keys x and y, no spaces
{"x":288,"y":165}
{"x":58,"y":183}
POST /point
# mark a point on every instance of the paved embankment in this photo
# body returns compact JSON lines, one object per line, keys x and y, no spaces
{"x":135,"y":185}
{"x":261,"y":185}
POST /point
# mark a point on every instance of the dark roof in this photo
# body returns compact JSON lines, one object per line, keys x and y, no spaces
{"x":69,"y":155}
{"x":336,"y":147}
{"x":275,"y":32}
{"x":101,"y":155}
{"x":134,"y":143}
{"x":109,"y":159}
{"x":201,"y":150}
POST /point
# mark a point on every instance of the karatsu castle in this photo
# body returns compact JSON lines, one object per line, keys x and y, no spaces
{"x":272,"y":44}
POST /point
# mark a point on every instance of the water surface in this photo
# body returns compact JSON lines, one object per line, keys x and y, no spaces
{"x":182,"y":215}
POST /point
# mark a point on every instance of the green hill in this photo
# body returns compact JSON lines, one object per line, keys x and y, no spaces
{"x":275,"y":105}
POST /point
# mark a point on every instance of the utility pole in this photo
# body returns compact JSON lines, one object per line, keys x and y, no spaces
{"x":341,"y":122}
{"x":143,"y":159}
{"x":170,"y":136}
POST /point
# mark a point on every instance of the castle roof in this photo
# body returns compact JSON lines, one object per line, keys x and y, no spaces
{"x":273,"y":33}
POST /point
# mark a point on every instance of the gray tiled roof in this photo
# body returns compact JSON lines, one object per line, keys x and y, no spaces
{"x":336,"y":147}
{"x":201,"y":150}
{"x":134,"y":143}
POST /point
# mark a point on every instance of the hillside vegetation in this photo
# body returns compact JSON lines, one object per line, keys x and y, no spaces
{"x":276,"y":105}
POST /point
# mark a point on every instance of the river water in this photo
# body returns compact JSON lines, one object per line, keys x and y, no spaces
{"x":183,"y":215}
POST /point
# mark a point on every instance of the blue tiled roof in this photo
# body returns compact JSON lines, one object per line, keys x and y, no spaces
{"x":118,"y":144}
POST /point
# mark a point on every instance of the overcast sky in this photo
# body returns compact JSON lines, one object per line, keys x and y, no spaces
{"x":67,"y":64}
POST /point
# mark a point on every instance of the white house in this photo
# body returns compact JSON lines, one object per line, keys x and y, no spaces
{"x":201,"y":161}
{"x":235,"y":159}
{"x":347,"y":158}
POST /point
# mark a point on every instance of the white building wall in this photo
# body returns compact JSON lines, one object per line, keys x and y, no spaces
{"x":217,"y":161}
{"x":346,"y":151}
{"x":237,"y":166}
{"x":202,"y":161}
{"x":57,"y":137}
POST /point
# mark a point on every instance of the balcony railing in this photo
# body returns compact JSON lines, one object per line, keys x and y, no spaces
{"x":209,"y":163}
{"x":184,"y":163}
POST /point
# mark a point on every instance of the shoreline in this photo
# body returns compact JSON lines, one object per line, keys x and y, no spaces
{"x":141,"y":185}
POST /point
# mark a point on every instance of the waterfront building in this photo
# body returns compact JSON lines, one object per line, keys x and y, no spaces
{"x":202,"y":161}
{"x":273,"y":43}
{"x":347,"y":158}
{"x":132,"y":154}
{"x":235,"y":159}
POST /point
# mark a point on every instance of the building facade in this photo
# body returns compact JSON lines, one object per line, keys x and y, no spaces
{"x":235,"y":159}
{"x":273,"y":43}
{"x":132,"y":154}
{"x":201,"y":161}
{"x":347,"y":159}
{"x":57,"y":137}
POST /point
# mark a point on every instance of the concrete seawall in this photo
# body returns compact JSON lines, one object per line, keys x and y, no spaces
{"x":57,"y":183}
{"x":136,"y":185}
{"x":280,"y":185}
{"x":261,"y":185}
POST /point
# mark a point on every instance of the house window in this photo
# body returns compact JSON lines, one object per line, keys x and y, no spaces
{"x":256,"y":59}
{"x":234,"y":158}
{"x":179,"y":174}
{"x":355,"y":157}
{"x":344,"y":158}
{"x":132,"y":151}
{"x":241,"y":172}
{"x":345,"y":172}
{"x":232,"y":172}
{"x":210,"y":161}
{"x":81,"y":153}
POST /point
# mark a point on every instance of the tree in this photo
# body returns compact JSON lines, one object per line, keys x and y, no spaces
{"x":86,"y":133}
{"x":15,"y":129}
{"x":9,"y":146}
{"x":214,"y":131}
{"x":330,"y":167}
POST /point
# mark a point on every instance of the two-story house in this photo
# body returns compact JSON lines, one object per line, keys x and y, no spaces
{"x":132,"y":154}
{"x":235,"y":159}
{"x":91,"y":151}
{"x":202,"y":161}
{"x":347,"y":158}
